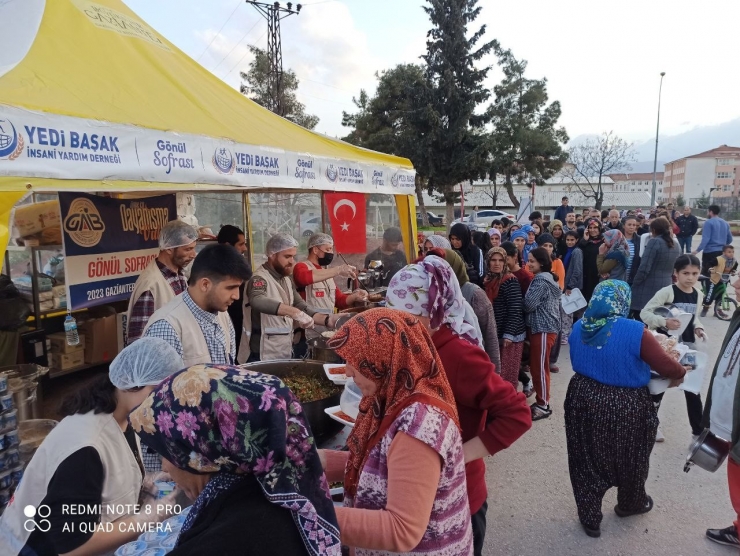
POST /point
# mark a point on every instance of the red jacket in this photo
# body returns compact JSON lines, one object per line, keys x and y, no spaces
{"x":488,"y":405}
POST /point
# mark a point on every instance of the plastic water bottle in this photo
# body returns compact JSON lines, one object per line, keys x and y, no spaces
{"x":70,"y":329}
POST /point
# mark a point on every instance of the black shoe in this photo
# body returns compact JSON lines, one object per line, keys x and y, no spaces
{"x":704,"y":310}
{"x":627,"y":513}
{"x":593,"y":533}
{"x":726,"y":536}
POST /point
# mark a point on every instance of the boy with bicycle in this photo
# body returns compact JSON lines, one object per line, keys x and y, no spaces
{"x":726,"y":264}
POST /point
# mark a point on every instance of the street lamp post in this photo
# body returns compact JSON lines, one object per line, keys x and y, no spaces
{"x":657,"y":130}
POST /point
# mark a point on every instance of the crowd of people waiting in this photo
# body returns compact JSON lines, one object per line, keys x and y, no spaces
{"x":439,"y":369}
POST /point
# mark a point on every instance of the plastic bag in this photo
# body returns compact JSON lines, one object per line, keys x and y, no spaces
{"x":694,"y":379}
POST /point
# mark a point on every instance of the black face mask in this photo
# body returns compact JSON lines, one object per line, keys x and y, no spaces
{"x":326,"y":259}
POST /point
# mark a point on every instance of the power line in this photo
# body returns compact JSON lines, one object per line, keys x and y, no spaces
{"x":245,"y":55}
{"x":219,"y":31}
{"x":244,"y":36}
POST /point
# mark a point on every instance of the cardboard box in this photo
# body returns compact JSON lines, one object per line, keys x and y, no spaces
{"x":33,"y":218}
{"x":101,"y":339}
{"x":58,"y":343}
{"x":69,"y":360}
{"x":121,"y":331}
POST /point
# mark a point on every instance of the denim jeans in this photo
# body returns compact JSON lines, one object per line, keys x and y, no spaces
{"x":685,"y":244}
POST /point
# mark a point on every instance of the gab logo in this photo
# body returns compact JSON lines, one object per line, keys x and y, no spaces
{"x":42,"y":524}
{"x":11,"y":142}
{"x":83,"y":223}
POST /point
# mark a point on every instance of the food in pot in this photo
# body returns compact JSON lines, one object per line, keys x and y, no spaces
{"x":310,"y":388}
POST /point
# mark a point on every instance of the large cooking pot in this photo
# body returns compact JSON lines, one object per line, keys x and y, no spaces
{"x":322,"y":426}
{"x":708,"y":452}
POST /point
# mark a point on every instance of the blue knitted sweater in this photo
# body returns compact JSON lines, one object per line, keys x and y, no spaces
{"x":617,"y":363}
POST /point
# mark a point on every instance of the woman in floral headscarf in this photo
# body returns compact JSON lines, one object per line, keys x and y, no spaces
{"x":239,"y":444}
{"x":492,"y":414}
{"x":404,"y":474}
{"x":614,"y":254}
{"x":610,"y":420}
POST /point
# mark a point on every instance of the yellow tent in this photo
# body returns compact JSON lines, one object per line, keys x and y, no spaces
{"x":92,"y":98}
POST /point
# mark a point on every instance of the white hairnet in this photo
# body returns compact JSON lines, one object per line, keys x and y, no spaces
{"x":279,"y":242}
{"x":148,"y":361}
{"x":176,"y":233}
{"x":317,"y":240}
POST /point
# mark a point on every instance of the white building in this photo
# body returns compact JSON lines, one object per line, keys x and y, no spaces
{"x":712,"y":173}
{"x":638,"y":182}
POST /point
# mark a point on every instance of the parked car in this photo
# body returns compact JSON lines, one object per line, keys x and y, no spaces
{"x":481,"y":220}
{"x":434,"y":220}
{"x":308,"y":226}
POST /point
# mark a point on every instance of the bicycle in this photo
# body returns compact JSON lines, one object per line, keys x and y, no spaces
{"x":725,"y":306}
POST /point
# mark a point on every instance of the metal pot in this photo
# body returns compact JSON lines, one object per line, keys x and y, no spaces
{"x":318,"y":351}
{"x":708,"y":452}
{"x":23,"y":384}
{"x":322,"y":426}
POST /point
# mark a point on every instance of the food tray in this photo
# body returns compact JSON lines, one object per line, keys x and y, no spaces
{"x":336,"y":414}
{"x":340,"y":379}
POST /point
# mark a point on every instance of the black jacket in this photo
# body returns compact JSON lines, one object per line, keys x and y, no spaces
{"x":688,"y":225}
{"x":242,"y":523}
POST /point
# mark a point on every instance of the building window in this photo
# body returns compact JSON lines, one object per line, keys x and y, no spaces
{"x":725,"y":188}
{"x":725,"y":175}
{"x":725,"y":161}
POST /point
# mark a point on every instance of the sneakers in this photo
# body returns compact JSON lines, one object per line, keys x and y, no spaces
{"x":704,"y":310}
{"x":564,"y":341}
{"x":528,"y":390}
{"x":726,"y":536}
{"x":540,"y":412}
{"x":627,"y":513}
{"x":659,"y":436}
{"x":554,"y":369}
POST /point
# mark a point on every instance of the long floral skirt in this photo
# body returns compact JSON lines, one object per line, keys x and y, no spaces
{"x":610,"y":432}
{"x":511,"y":359}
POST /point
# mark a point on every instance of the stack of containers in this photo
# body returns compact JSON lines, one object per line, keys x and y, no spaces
{"x":156,"y":543}
{"x":11,"y":469}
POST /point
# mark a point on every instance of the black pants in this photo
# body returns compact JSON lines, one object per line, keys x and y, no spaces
{"x":479,"y":529}
{"x":694,"y":409}
{"x":709,"y":260}
{"x":524,"y":378}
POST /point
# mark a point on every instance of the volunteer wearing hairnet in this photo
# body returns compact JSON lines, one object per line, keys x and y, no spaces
{"x":90,"y":460}
{"x":315,"y":282}
{"x":276,"y":307}
{"x":163,"y":279}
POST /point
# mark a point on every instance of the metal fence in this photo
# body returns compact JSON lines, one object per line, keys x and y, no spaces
{"x":729,"y":206}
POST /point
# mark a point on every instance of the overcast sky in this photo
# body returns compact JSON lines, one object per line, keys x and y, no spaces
{"x":602,"y":60}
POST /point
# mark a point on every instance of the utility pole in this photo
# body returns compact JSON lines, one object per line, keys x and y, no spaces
{"x":274,"y":13}
{"x":657,"y":131}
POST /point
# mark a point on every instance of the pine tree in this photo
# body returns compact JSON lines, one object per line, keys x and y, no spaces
{"x":452,"y":137}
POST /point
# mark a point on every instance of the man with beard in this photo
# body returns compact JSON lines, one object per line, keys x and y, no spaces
{"x":276,"y":307}
{"x":196,"y":323}
{"x":570,"y":224}
{"x":163,"y":279}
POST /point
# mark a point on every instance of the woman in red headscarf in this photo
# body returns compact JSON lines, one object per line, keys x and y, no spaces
{"x":404,"y":474}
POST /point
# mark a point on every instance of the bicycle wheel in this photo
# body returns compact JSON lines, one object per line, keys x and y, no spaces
{"x":725,"y":314}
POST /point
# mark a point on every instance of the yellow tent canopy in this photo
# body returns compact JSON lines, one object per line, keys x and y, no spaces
{"x":92,"y":96}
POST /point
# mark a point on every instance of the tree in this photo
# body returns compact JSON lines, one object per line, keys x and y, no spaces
{"x":525,"y":143}
{"x":382,"y":122}
{"x":680,"y":201}
{"x":703,"y":201}
{"x":593,"y":159}
{"x":451,"y":135}
{"x":255,"y":86}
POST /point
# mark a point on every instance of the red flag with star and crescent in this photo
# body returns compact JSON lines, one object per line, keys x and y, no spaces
{"x":348,"y":221}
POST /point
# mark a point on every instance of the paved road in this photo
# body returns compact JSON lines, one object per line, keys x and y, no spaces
{"x":531,"y":507}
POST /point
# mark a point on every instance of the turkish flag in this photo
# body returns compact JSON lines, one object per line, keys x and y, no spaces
{"x":348,"y":221}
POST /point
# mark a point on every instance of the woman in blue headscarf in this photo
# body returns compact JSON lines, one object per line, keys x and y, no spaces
{"x":610,"y":420}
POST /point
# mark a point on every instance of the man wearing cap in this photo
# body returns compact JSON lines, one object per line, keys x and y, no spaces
{"x":315,"y":282}
{"x":195,"y":322}
{"x":274,"y":309}
{"x":390,"y":254}
{"x":231,"y":235}
{"x":163,"y":278}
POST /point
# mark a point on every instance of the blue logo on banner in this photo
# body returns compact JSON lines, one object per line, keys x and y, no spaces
{"x":11,"y":143}
{"x":223,"y":161}
{"x":332,"y":174}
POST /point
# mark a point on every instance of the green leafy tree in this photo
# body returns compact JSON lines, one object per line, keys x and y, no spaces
{"x":703,"y":201}
{"x":526,"y":143}
{"x":255,"y":86}
{"x":680,"y":201}
{"x":451,"y":130}
{"x":382,"y":122}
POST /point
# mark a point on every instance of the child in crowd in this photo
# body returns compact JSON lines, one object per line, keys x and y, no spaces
{"x":726,"y":264}
{"x":548,"y":242}
{"x":686,"y":295}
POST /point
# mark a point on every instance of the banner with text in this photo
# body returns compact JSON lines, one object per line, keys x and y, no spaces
{"x":108,"y":243}
{"x":62,"y":147}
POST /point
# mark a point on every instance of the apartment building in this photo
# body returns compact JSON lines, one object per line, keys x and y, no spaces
{"x":713,"y":173}
{"x":634,"y":182}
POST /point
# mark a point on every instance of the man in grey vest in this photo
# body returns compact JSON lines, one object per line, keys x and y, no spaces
{"x":274,"y":308}
{"x":163,"y":279}
{"x":196,"y":323}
